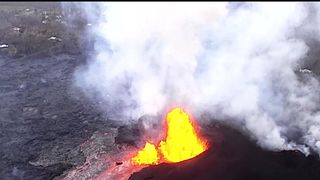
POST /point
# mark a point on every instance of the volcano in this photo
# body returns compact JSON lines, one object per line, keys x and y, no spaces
{"x":84,"y":89}
{"x":231,"y":156}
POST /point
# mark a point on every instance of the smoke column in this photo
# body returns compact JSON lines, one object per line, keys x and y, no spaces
{"x":239,"y":62}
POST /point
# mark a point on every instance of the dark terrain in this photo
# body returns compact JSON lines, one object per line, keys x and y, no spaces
{"x":48,"y":127}
{"x":43,"y":119}
{"x":232,"y":156}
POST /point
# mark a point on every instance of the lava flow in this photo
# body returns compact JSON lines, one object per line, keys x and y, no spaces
{"x":181,"y":143}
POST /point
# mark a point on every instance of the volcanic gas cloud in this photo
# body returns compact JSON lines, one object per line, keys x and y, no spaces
{"x":238,"y":62}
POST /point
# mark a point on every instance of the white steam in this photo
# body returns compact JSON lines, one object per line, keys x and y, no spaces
{"x":238,"y":63}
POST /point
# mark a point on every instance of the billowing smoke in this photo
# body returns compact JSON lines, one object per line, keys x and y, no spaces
{"x":239,"y":62}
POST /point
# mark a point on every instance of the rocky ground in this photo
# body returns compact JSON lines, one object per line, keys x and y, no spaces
{"x":50,"y":130}
{"x":43,"y":118}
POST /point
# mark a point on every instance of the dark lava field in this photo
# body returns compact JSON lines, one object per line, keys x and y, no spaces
{"x":43,"y":118}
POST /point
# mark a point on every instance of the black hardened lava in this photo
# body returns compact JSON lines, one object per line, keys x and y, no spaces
{"x":232,"y":156}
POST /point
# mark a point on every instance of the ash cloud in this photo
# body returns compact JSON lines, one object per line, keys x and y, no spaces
{"x":242,"y":63}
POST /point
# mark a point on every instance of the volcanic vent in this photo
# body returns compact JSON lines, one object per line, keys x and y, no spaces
{"x":182,"y":141}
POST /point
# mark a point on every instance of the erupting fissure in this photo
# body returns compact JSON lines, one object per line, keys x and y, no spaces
{"x":181,"y":143}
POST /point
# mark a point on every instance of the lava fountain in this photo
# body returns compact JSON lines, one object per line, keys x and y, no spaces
{"x":182,"y":142}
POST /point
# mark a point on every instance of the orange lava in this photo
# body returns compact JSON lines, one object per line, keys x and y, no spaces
{"x":181,"y":143}
{"x":148,"y":155}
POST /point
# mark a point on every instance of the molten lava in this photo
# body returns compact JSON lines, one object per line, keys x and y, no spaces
{"x":181,"y":142}
{"x":148,"y":155}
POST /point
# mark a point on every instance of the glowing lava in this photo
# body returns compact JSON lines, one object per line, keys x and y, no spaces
{"x":181,"y":143}
{"x":148,"y":155}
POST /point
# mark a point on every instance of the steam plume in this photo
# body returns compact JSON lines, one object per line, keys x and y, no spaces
{"x":239,"y":62}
